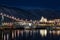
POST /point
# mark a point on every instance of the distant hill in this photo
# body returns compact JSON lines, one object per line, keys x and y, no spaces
{"x":33,"y":14}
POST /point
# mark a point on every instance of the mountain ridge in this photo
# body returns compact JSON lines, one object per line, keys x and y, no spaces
{"x":34,"y":14}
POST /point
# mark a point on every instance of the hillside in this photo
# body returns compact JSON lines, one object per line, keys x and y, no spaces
{"x":30,"y":13}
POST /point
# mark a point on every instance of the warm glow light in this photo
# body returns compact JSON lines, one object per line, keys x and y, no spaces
{"x":58,"y":32}
{"x":12,"y":17}
{"x":43,"y":32}
{"x":12,"y":35}
{"x":18,"y":32}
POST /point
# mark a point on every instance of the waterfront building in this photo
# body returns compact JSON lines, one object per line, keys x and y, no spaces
{"x":43,"y":19}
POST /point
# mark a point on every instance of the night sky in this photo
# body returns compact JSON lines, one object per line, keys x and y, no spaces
{"x":51,"y":4}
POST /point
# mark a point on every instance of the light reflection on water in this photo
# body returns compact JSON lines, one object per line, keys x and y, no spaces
{"x":55,"y":32}
{"x":43,"y":32}
{"x":30,"y":34}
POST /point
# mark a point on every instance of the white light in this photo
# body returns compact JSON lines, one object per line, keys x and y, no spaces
{"x":43,"y":19}
{"x":30,"y":24}
{"x":43,"y":32}
{"x":12,"y":17}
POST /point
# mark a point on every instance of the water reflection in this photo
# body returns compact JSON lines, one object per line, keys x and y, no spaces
{"x":21,"y":32}
{"x":18,"y":32}
{"x":55,"y":32}
{"x":29,"y":34}
{"x":7,"y":36}
{"x":4,"y":37}
{"x":15,"y":33}
{"x":43,"y":32}
{"x":12,"y":34}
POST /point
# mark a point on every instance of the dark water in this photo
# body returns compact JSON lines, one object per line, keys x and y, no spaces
{"x":28,"y":35}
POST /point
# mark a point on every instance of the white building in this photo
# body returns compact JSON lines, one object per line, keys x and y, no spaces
{"x":43,"y":19}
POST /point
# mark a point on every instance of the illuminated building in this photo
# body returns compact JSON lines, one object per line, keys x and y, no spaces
{"x":43,"y":19}
{"x":57,"y":20}
{"x":7,"y":24}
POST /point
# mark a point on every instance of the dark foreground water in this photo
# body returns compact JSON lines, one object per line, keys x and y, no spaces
{"x":41,"y":34}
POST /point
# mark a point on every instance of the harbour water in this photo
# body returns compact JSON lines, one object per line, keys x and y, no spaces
{"x":39,"y":34}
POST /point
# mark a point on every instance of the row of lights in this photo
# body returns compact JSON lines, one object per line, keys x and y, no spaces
{"x":12,"y":17}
